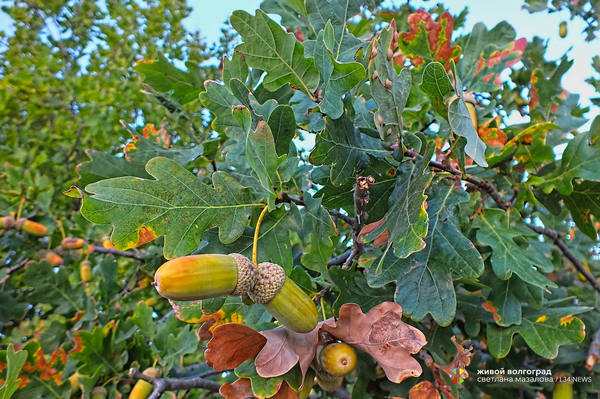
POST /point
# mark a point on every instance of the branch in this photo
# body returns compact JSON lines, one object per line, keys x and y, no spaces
{"x":116,"y":252}
{"x":555,"y":236}
{"x":174,"y":384}
{"x":361,"y":199}
{"x":481,"y":184}
{"x":339,"y":259}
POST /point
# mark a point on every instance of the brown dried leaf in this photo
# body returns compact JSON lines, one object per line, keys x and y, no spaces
{"x":382,"y":334}
{"x":240,"y":389}
{"x":285,"y":348}
{"x":424,"y":390}
{"x":285,"y":392}
{"x":232,"y":344}
{"x":381,"y":239}
{"x":460,"y":361}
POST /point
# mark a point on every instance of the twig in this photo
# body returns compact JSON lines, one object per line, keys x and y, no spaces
{"x":13,"y":269}
{"x":481,"y":184}
{"x":361,"y":199}
{"x":174,"y":384}
{"x":555,"y":236}
{"x":322,"y":293}
{"x":116,"y":252}
{"x":339,"y":259}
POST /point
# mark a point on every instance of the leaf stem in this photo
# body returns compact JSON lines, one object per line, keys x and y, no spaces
{"x":256,"y":230}
{"x":21,"y":203}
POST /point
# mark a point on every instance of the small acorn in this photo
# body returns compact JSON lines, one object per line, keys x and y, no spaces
{"x":99,"y":393}
{"x":51,"y":257}
{"x":470,"y":103}
{"x":196,"y":277}
{"x":72,"y":243}
{"x":142,"y":389}
{"x":338,"y":359}
{"x":85,"y":271}
{"x":32,"y":228}
{"x":284,"y":299}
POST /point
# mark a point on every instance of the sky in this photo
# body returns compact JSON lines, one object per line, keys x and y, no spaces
{"x":209,"y":16}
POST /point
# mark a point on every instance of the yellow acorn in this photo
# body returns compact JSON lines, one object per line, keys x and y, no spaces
{"x":562,"y":29}
{"x":99,"y":393}
{"x":73,"y":243}
{"x":151,"y":301}
{"x":284,"y":299}
{"x":32,"y":228}
{"x":338,"y":359}
{"x":85,"y":271}
{"x":562,"y":389}
{"x":143,"y":389}
{"x":196,"y":277}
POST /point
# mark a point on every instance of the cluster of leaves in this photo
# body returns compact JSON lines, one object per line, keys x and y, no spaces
{"x":449,"y":230}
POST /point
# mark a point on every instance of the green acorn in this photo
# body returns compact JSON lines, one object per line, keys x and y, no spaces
{"x":284,"y":299}
{"x":196,"y":277}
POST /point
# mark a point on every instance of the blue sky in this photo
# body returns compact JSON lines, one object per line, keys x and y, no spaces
{"x":208,"y":17}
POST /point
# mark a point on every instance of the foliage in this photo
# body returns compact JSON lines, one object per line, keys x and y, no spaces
{"x":338,"y":144}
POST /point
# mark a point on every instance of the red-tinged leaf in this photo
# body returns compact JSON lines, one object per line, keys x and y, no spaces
{"x":424,"y":390}
{"x":285,"y":348}
{"x":232,"y":344}
{"x":240,"y":389}
{"x":381,"y":239}
{"x":429,"y":40}
{"x":382,"y":334}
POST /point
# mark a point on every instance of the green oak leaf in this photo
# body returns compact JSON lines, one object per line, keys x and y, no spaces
{"x":319,"y":228}
{"x":54,"y":288}
{"x":177,"y":205}
{"x":506,"y":297}
{"x":354,"y":289}
{"x":338,"y":78}
{"x":508,"y":257}
{"x":583,"y":202}
{"x":343,"y":45}
{"x":438,"y":87}
{"x":424,"y":279}
{"x":406,"y":219}
{"x":261,"y":387}
{"x":262,"y":157}
{"x":268,"y":47}
{"x":14,"y":362}
{"x":543,"y":333}
{"x":283,"y":127}
{"x":219,"y":100}
{"x":461,"y":124}
{"x":292,"y":12}
{"x":343,"y":147}
{"x":389,"y":89}
{"x":234,"y":68}
{"x":163,"y":77}
{"x":580,"y":159}
{"x":103,"y":165}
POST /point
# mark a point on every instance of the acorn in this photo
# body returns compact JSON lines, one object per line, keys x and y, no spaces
{"x":85,"y":271}
{"x":338,"y":359}
{"x":99,"y":393}
{"x":562,"y":29}
{"x":142,"y":389}
{"x":196,"y":277}
{"x":283,"y":299}
{"x":72,"y":243}
{"x":7,"y":222}
{"x":51,"y":257}
{"x":32,"y":228}
{"x":74,"y":382}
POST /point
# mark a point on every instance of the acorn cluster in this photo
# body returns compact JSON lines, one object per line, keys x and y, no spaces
{"x":204,"y":276}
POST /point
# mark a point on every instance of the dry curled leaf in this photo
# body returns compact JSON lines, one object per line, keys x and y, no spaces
{"x":285,"y":392}
{"x":239,"y":389}
{"x":285,"y":348}
{"x":232,"y":344}
{"x":460,"y":361}
{"x":424,"y":390}
{"x":382,"y":334}
{"x":381,"y":239}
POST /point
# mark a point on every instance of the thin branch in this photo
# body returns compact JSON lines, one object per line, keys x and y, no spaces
{"x":481,"y":184}
{"x":361,"y":199}
{"x":116,"y":252}
{"x":174,"y":384}
{"x":339,"y":259}
{"x":555,"y":236}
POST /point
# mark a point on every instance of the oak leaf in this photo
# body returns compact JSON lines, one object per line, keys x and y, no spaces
{"x":231,"y":345}
{"x":424,"y":390}
{"x":239,"y":389}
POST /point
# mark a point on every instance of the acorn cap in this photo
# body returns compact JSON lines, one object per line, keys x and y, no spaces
{"x":271,"y":278}
{"x":247,"y":274}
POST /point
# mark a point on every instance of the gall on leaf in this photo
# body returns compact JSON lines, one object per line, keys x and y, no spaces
{"x":231,"y":345}
{"x":383,"y":335}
